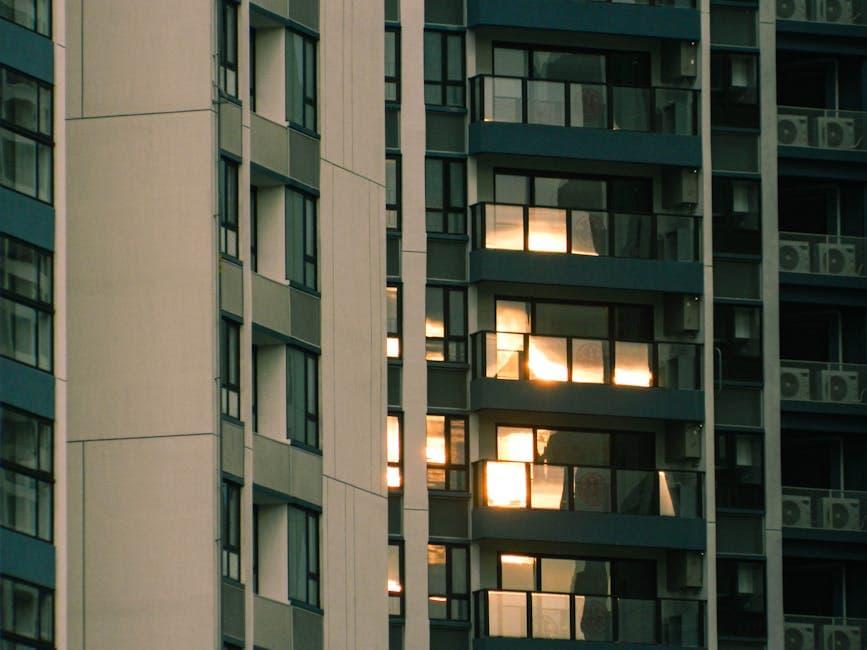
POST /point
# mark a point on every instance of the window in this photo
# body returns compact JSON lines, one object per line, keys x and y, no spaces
{"x":392,"y":192}
{"x":445,"y":196}
{"x":395,"y":578}
{"x":301,"y":80}
{"x":26,"y":303}
{"x":26,"y":473}
{"x":230,"y":517}
{"x":228,"y":46}
{"x":444,"y":68}
{"x":27,"y":615}
{"x":34,"y":15}
{"x":446,"y":451}
{"x":739,"y":470}
{"x":392,"y":64}
{"x":394,"y":447}
{"x":254,"y":228}
{"x":738,"y":339}
{"x":734,"y":89}
{"x":230,"y":370}
{"x":302,"y":396}
{"x":301,"y":239}
{"x":393,"y":321}
{"x":448,"y":577}
{"x":737,"y":216}
{"x":228,"y":207}
{"x":446,"y":324}
{"x":741,"y":598}
{"x":303,"y":556}
{"x":26,"y":147}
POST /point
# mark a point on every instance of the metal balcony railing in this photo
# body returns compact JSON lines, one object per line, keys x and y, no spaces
{"x":840,"y":12}
{"x":515,"y":356}
{"x":501,"y":226}
{"x":543,"y":615}
{"x":665,"y":493}
{"x":825,"y":633}
{"x":584,"y":105}
{"x":824,"y":509}
{"x":821,"y":128}
{"x":823,"y":254}
{"x":827,"y":382}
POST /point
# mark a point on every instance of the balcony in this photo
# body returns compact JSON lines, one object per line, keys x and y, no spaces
{"x":603,"y":619}
{"x":827,"y":12}
{"x":514,"y":115}
{"x":586,"y":248}
{"x":824,"y":633}
{"x":834,"y":383}
{"x":829,"y":133}
{"x":823,"y":260}
{"x":816,"y":509}
{"x":663,"y":493}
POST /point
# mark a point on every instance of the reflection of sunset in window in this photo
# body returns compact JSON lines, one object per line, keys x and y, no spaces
{"x":392,"y":347}
{"x":588,"y":361}
{"x":506,"y":485}
{"x":504,"y":227}
{"x":633,"y":364}
{"x":666,"y":503}
{"x":547,"y":359}
{"x":514,"y":443}
{"x":547,"y":230}
{"x":434,"y":328}
{"x":436,"y":440}
{"x":393,"y":478}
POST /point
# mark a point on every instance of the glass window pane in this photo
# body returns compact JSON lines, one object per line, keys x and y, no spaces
{"x":588,"y":106}
{"x":631,"y":108}
{"x":457,"y":317}
{"x":636,"y":492}
{"x":433,"y":56}
{"x":513,"y":316}
{"x":636,"y":620}
{"x":573,"y":447}
{"x":393,"y":438}
{"x":436,"y":439}
{"x":567,"y":66}
{"x":547,"y":230}
{"x":504,"y":227}
{"x":506,"y":484}
{"x":504,"y":99}
{"x":547,"y":358}
{"x":550,"y":616}
{"x":589,"y":233}
{"x":507,"y":614}
{"x":509,"y":188}
{"x":632,"y":365}
{"x":546,"y":103}
{"x":593,"y":619}
{"x":592,"y":490}
{"x":510,"y":62}
{"x":455,"y":58}
{"x":549,"y":487}
{"x":518,"y":572}
{"x":297,"y":554}
{"x":457,"y":441}
{"x":436,"y":568}
{"x":515,"y":443}
{"x":559,"y":575}
{"x":632,"y":235}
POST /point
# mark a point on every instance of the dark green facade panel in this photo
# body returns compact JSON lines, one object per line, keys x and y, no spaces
{"x":26,"y":388}
{"x":26,"y":51}
{"x":26,"y":219}
{"x":26,"y":558}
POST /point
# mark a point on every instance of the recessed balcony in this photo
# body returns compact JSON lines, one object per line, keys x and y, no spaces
{"x":817,"y":509}
{"x":824,"y":633}
{"x":827,"y":131}
{"x":835,"y":383}
{"x":828,"y":12}
{"x":529,"y":615}
{"x":825,"y":256}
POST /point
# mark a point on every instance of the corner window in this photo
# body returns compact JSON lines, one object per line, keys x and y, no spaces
{"x":394,"y":451}
{"x":230,"y":518}
{"x":230,"y":370}
{"x":444,"y":79}
{"x":445,"y":196}
{"x":392,"y":192}
{"x":26,"y":303}
{"x":393,"y":321}
{"x":228,"y":47}
{"x":228,"y":207}
{"x":392,"y":64}
{"x":446,"y":324}
{"x":301,"y":239}
{"x":28,"y":615}
{"x":301,"y":80}
{"x":448,"y":571}
{"x":26,"y":473}
{"x":446,"y":452}
{"x":395,"y":578}
{"x":34,"y":15}
{"x":303,"y":556}
{"x":26,"y":116}
{"x":302,"y":396}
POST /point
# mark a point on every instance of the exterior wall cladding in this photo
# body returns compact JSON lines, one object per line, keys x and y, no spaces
{"x":614,"y":394}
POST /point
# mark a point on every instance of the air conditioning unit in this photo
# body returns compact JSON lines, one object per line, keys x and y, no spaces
{"x":838,"y":11}
{"x":836,"y":132}
{"x":744,"y":198}
{"x":680,"y":187}
{"x":792,"y":130}
{"x":841,"y":514}
{"x":840,"y":386}
{"x":841,"y":637}
{"x":684,"y":441}
{"x":800,"y":636}
{"x":794,"y":256}
{"x":679,"y":60}
{"x":795,"y":384}
{"x":682,"y":314}
{"x":837,"y":259}
{"x":792,"y":9}
{"x":797,"y":511}
{"x":685,"y":570}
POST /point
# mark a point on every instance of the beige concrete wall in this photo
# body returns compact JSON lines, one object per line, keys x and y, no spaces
{"x":352,"y":254}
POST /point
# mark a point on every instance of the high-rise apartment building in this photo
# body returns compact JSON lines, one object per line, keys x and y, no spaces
{"x":614,"y":393}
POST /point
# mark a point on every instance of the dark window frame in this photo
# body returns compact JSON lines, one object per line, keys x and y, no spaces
{"x":41,"y":10}
{"x":42,"y":309}
{"x":254,"y":229}
{"x":455,"y":474}
{"x":38,"y":475}
{"x":398,"y":465}
{"x":230,"y":368}
{"x":45,"y":600}
{"x":395,"y":78}
{"x":302,"y":239}
{"x":452,"y":210}
{"x":394,"y":225}
{"x":397,"y":331}
{"x":399,"y":597}
{"x":229,"y":208}
{"x":227,"y":47}
{"x":449,"y":341}
{"x":310,"y":560}
{"x":443,"y":84}
{"x":230,"y":529}
{"x":452,"y":598}
{"x":308,"y":119}
{"x":310,"y":418}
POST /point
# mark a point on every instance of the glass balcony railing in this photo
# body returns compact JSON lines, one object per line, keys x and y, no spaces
{"x":664,"y":493}
{"x":827,"y":382}
{"x":584,"y":105}
{"x":542,"y":615}
{"x":501,"y":226}
{"x":823,"y":254}
{"x":521,"y":357}
{"x":840,"y":12}
{"x":821,"y":128}
{"x":825,"y":633}
{"x":824,"y":509}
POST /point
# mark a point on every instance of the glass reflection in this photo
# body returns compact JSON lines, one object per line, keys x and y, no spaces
{"x":506,"y":484}
{"x":633,"y":364}
{"x":547,"y":484}
{"x":518,"y":572}
{"x":592,"y":489}
{"x":593,"y":620}
{"x":589,"y":359}
{"x":589,"y":106}
{"x":547,"y":230}
{"x":636,"y":492}
{"x":504,"y":227}
{"x":546,"y":103}
{"x":515,"y":444}
{"x":550,"y":616}
{"x":507,"y":614}
{"x":547,"y":358}
{"x":589,"y":233}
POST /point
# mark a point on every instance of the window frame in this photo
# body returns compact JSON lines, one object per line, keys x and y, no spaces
{"x":310,"y":417}
{"x":395,"y":333}
{"x":395,"y":78}
{"x":450,"y":207}
{"x":38,"y":475}
{"x":229,"y":208}
{"x":227,"y":48}
{"x":396,"y":465}
{"x":230,"y":368}
{"x":400,"y":596}
{"x":451,"y":597}
{"x":311,"y":561}
{"x":448,"y":339}
{"x":45,"y":598}
{"x":42,"y":310}
{"x":230,"y":529}
{"x":301,"y":239}
{"x":452,"y":471}
{"x":443,"y":83}
{"x":309,"y":84}
{"x":254,"y":229}
{"x":41,"y":9}
{"x":396,"y":205}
